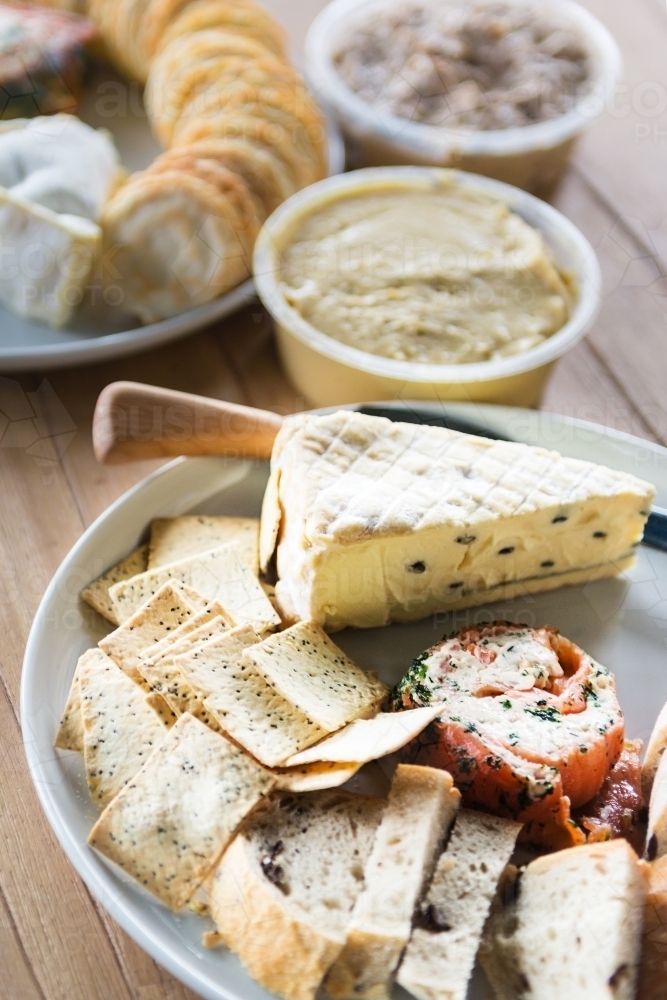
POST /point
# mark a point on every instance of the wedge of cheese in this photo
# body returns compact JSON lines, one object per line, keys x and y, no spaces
{"x":57,"y":252}
{"x":376,"y":521}
{"x":55,"y":176}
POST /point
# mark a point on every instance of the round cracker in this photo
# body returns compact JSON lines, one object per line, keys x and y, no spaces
{"x":235,"y":73}
{"x":192,"y":55}
{"x":159,"y":14}
{"x":188,"y":49}
{"x":209,"y":78}
{"x":261,"y":170}
{"x":251,"y":130}
{"x":258,"y":72}
{"x":168,"y":91}
{"x":172,"y":244}
{"x":249,"y":209}
{"x":210,"y":102}
{"x":295,"y":111}
{"x":274,"y":96}
{"x":123,"y":27}
{"x":104,"y":13}
{"x":252,"y":62}
{"x":196,"y":82}
{"x":96,"y":10}
{"x":303,"y":169}
{"x":242,"y":19}
{"x":103,"y":48}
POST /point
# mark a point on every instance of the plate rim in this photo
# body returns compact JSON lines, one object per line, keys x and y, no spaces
{"x":140,"y":338}
{"x":101,"y":880}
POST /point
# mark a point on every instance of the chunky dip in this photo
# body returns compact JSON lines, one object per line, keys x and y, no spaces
{"x":482,"y":66}
{"x":444,"y":277}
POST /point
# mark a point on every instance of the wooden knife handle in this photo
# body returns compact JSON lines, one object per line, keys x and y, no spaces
{"x":134,"y":422}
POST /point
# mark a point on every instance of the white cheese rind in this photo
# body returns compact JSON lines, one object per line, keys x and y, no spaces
{"x":60,"y":163}
{"x":55,"y":176}
{"x":47,"y":259}
{"x":382,"y":521}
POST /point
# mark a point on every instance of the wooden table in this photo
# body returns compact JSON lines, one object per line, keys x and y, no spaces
{"x":56,"y":943}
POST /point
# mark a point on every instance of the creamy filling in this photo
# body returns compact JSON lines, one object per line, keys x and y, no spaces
{"x":509,"y":662}
{"x":530,"y":730}
{"x":531,"y":711}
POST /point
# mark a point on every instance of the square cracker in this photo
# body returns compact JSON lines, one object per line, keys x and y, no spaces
{"x":163,"y":675}
{"x":155,"y":619}
{"x":314,"y":675}
{"x":120,"y":730}
{"x":70,"y":731}
{"x":157,"y":703}
{"x":169,"y":826}
{"x":97,"y":593}
{"x":196,"y":600}
{"x":207,"y":614}
{"x":218,"y":575}
{"x":368,"y":739}
{"x":245,"y":706}
{"x":313,"y":777}
{"x":175,"y":538}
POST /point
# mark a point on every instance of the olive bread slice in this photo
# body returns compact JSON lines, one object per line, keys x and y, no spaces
{"x":282,"y":895}
{"x":573,"y":930}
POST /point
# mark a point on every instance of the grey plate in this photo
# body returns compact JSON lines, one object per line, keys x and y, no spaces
{"x":622,"y":622}
{"x":99,"y":330}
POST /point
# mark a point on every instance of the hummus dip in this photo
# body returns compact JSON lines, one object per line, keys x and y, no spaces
{"x":444,"y":277}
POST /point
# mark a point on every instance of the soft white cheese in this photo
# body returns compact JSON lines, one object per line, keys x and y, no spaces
{"x":380,"y":521}
{"x":55,"y":176}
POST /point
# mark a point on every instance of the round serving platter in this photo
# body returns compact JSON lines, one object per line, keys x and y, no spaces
{"x":621,"y":622}
{"x":100,"y":330}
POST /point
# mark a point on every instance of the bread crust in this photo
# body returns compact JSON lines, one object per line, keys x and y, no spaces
{"x":541,"y":946}
{"x":439,"y":959}
{"x":654,"y":751}
{"x":656,"y":835}
{"x":255,"y":920}
{"x":652,"y":978}
{"x":381,"y":920}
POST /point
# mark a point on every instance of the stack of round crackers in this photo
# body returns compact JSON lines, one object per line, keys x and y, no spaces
{"x":242,"y":134}
{"x":134,"y":30}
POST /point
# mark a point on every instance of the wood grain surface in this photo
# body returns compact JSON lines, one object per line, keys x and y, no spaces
{"x":55,"y":942}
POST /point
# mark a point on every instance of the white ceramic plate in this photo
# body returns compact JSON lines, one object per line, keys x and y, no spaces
{"x":99,"y":330}
{"x":622,"y":622}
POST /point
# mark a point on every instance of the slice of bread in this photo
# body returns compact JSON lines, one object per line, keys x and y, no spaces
{"x":282,"y":895}
{"x":656,"y":834}
{"x":652,"y":984}
{"x":654,"y":751}
{"x":439,"y":959}
{"x":573,"y":931}
{"x":422,"y":804}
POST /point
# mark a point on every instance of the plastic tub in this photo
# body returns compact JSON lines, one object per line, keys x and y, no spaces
{"x":532,"y":157}
{"x":327,"y":372}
